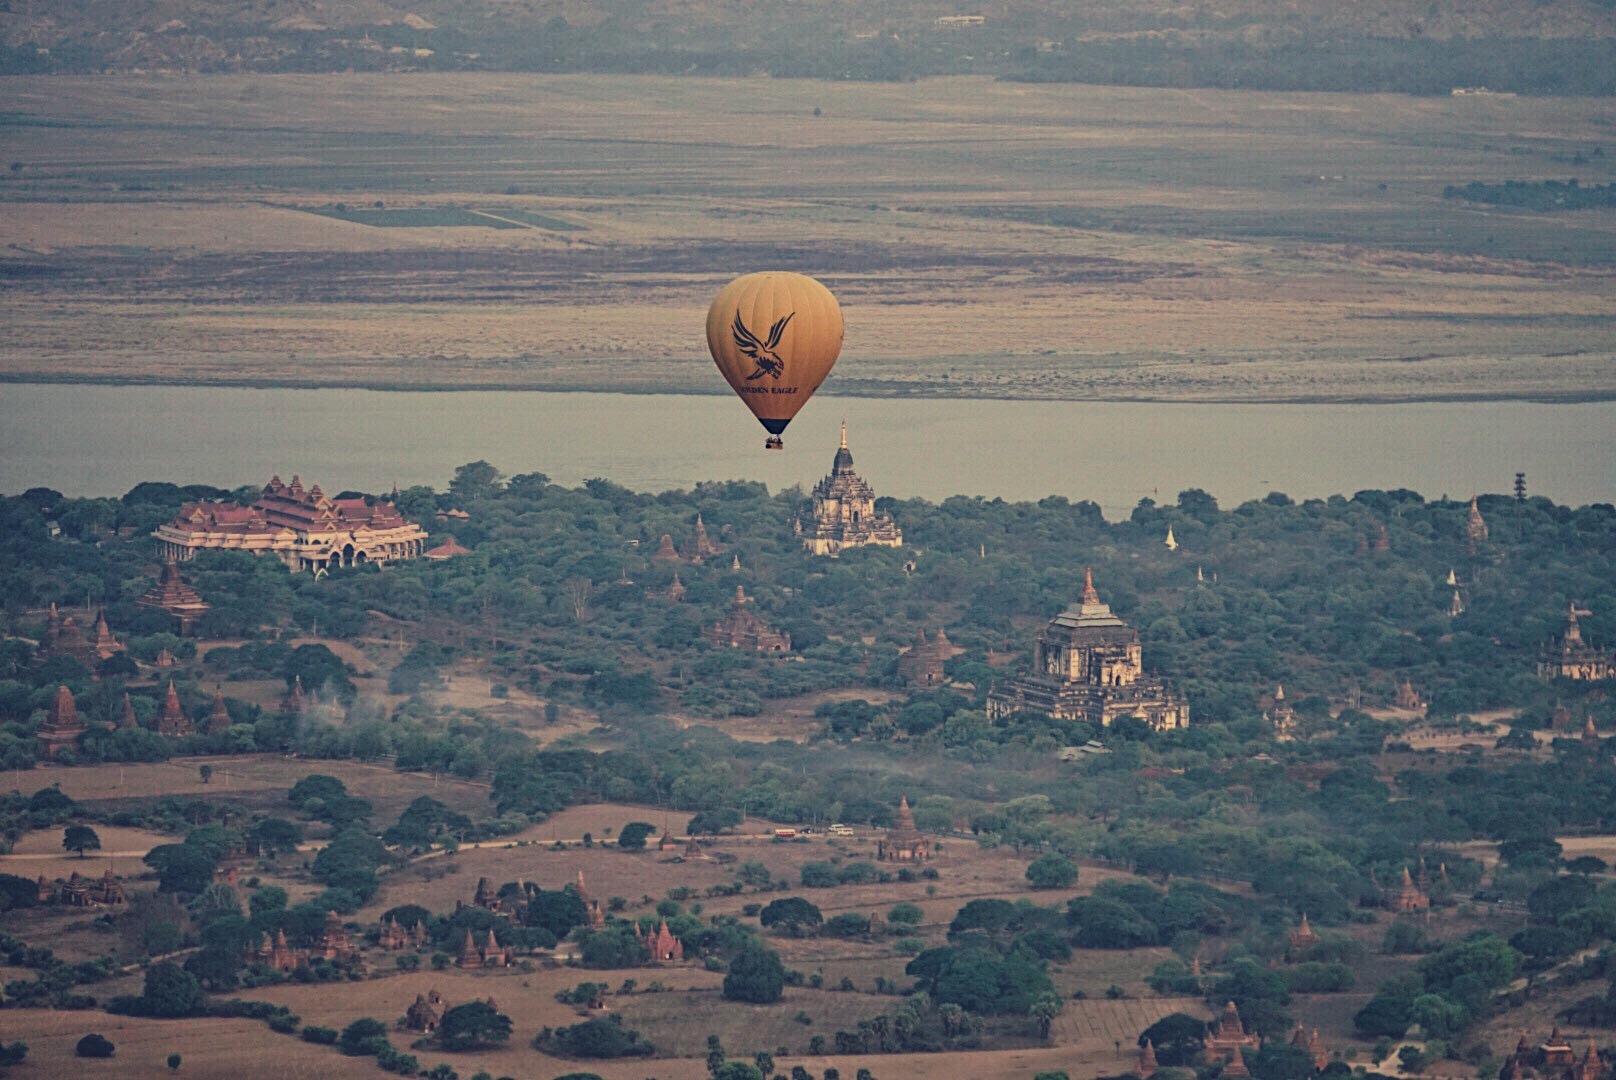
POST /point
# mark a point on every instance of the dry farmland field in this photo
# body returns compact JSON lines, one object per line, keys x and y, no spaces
{"x":566,"y":232}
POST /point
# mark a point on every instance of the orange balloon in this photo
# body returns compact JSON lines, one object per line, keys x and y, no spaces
{"x":774,"y":336}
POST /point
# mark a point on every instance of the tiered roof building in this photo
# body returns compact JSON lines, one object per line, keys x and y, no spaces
{"x":1087,"y":665}
{"x":844,"y":513}
{"x":1303,"y":937}
{"x":904,"y":842}
{"x":1573,"y":658}
{"x":172,"y":595}
{"x":62,"y":727}
{"x":744,"y":628}
{"x":303,"y":528}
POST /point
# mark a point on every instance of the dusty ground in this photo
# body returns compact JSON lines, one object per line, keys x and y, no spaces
{"x":985,"y":239}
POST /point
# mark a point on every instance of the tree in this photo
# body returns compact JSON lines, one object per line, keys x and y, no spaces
{"x":475,"y":480}
{"x":80,"y":838}
{"x":170,"y":991}
{"x":1052,"y":871}
{"x":1045,"y":1007}
{"x":94,"y":1046}
{"x":737,"y":1070}
{"x":473,"y":1026}
{"x":792,"y":915}
{"x":1177,"y":1038}
{"x":632,"y":836}
{"x":174,"y":1061}
{"x":274,"y":835}
{"x":905,"y":914}
{"x":756,"y":975}
{"x":363,"y":1037}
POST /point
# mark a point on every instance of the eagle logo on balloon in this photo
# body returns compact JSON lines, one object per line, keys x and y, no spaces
{"x":761,"y":353}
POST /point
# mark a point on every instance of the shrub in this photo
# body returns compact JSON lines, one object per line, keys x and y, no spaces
{"x":597,"y":1037}
{"x":363,"y":1037}
{"x":323,"y":1036}
{"x":94,"y":1046}
{"x":1051,"y":871}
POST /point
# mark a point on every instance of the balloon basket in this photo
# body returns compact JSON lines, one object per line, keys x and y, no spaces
{"x":774,"y":442}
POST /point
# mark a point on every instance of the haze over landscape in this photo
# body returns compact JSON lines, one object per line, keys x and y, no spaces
{"x":1176,"y":641}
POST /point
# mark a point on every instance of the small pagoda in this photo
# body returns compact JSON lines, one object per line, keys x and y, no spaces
{"x":172,"y":721}
{"x":703,"y":548}
{"x":1475,"y":527}
{"x":743,"y":628}
{"x":425,"y":1013}
{"x":62,"y":728}
{"x":922,"y":663}
{"x":218,"y":718}
{"x":334,"y":943}
{"x":904,"y":842}
{"x":662,"y":946}
{"x":170,"y":594}
{"x":1408,"y":895}
{"x":1231,"y":1035}
{"x":1302,"y":938}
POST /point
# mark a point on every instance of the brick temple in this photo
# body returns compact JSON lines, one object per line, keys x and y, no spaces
{"x":844,"y":513}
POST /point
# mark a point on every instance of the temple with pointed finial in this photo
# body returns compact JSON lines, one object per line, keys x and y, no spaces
{"x":62,"y":727}
{"x":1303,"y":938}
{"x":172,"y":719}
{"x":744,"y":628}
{"x":702,"y":548}
{"x":1571,"y":657}
{"x":127,"y":720}
{"x":904,"y":842}
{"x":844,"y":513}
{"x":1408,"y":896}
{"x":662,"y":946}
{"x":1475,"y":526}
{"x":1145,"y":1065}
{"x":1088,"y":665}
{"x":1171,"y":541}
{"x":1408,"y":698}
{"x":921,"y":664}
{"x":306,"y":530}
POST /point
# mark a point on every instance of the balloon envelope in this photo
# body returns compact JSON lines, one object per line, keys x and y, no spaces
{"x":774,"y":336}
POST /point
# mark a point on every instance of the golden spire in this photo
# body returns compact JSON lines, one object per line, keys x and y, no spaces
{"x":1090,"y":596}
{"x":844,"y":433}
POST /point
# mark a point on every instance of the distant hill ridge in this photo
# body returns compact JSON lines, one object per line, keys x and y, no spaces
{"x":1560,"y":46}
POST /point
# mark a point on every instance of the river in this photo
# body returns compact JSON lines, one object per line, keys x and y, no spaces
{"x":102,"y":440}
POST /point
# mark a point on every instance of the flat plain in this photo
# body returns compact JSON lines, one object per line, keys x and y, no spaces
{"x":985,"y":238}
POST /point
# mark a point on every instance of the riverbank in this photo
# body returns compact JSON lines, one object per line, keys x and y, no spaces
{"x":102,"y":440}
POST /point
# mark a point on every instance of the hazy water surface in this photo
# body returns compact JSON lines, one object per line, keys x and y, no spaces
{"x":102,"y":440}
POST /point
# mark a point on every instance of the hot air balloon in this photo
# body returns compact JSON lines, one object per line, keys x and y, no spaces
{"x":774,"y":336}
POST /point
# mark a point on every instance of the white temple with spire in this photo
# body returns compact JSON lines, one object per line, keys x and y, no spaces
{"x":844,"y":513}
